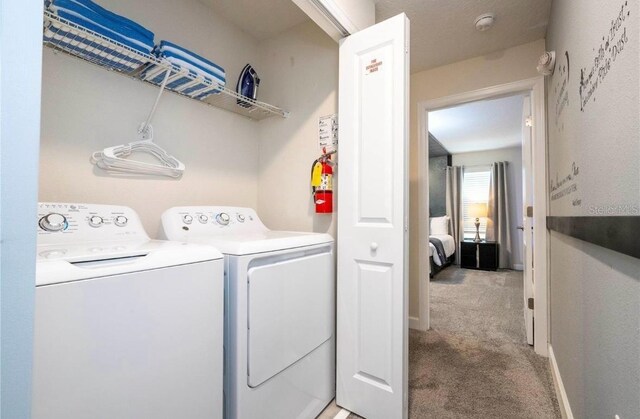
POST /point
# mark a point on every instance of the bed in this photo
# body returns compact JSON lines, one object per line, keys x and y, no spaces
{"x":447,"y":250}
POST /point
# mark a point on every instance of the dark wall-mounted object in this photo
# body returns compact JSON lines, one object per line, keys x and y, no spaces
{"x":439,"y":159}
{"x":620,"y":234}
{"x":436,"y":149}
{"x":437,"y":186}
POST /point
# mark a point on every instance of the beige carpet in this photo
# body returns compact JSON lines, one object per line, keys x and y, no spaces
{"x":485,"y":305}
{"x":475,"y":362}
{"x":452,"y":376}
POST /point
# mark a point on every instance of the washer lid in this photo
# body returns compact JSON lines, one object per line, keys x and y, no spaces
{"x":260,"y":242}
{"x":73,"y":262}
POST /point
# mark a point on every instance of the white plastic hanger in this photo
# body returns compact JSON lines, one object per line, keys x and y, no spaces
{"x":112,"y":159}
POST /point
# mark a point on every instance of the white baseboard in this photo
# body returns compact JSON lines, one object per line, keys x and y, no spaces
{"x":518,"y":266}
{"x":563,"y":400}
{"x":414,"y":323}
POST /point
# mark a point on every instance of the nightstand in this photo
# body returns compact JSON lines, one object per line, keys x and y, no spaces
{"x":483,"y":255}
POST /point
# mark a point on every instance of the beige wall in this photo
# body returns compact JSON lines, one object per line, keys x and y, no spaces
{"x":595,"y":292}
{"x":299,"y":72}
{"x":85,"y":108}
{"x":506,"y":66}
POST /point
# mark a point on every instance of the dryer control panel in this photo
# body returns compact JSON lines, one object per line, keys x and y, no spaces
{"x":60,"y":223}
{"x":204,"y":220}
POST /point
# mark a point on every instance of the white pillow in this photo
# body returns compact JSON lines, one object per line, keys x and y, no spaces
{"x":439,"y":225}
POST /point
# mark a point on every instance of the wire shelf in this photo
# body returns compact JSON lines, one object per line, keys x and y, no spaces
{"x":80,"y":42}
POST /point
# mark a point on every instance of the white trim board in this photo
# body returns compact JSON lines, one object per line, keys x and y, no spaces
{"x":561,"y":393}
{"x":536,"y":89}
{"x":414,"y":323}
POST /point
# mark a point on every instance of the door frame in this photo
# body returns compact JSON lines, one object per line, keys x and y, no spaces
{"x":20,"y":100}
{"x":535,"y":87}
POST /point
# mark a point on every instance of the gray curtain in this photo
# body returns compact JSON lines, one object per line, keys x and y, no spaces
{"x":454,"y":206}
{"x":498,"y":213}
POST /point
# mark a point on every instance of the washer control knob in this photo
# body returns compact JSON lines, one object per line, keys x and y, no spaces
{"x":121,"y":221}
{"x":95,"y":221}
{"x":203,"y":218}
{"x":187,"y":219}
{"x":53,"y":222}
{"x":223,"y":218}
{"x":240,"y":218}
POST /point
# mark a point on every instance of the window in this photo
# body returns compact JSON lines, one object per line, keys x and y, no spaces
{"x":475,"y":189}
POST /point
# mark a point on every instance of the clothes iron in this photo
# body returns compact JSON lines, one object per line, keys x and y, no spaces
{"x":247,"y":85}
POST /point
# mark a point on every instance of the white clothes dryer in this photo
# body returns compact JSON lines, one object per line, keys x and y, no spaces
{"x":125,"y":326}
{"x":279,"y":311}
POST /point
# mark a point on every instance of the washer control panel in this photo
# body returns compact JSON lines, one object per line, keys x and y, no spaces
{"x":67,"y":223}
{"x":210,"y":220}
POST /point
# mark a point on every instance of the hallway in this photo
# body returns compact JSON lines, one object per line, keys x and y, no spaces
{"x":474,"y":363}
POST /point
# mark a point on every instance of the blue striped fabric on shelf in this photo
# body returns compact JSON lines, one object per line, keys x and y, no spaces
{"x":182,"y":81}
{"x":183,"y":57}
{"x":109,"y":25}
{"x":89,"y":31}
{"x":121,"y":20}
{"x":191,"y":74}
{"x":95,"y":49}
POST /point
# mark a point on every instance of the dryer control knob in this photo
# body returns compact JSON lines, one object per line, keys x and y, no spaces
{"x":187,"y":219}
{"x":95,"y":221}
{"x":53,"y":222}
{"x":121,"y":221}
{"x":203,"y":218}
{"x":223,"y":218}
{"x":240,"y":218}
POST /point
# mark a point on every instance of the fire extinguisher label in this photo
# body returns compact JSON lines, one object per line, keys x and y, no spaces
{"x":327,"y":182}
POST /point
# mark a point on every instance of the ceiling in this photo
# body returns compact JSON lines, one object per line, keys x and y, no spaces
{"x":260,"y":19}
{"x":443,"y":31}
{"x":479,"y":126}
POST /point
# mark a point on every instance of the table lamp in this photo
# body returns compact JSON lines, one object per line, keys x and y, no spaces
{"x":477,"y":210}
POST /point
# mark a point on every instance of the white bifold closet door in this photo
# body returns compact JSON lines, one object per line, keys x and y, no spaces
{"x":372,"y":306}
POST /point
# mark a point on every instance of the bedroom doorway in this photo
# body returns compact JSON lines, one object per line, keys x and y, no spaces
{"x":475,"y":359}
{"x":480,"y":189}
{"x":475,"y":217}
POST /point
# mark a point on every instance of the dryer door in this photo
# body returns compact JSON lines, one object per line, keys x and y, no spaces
{"x":291,"y":310}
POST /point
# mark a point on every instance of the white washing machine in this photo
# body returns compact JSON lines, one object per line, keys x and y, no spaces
{"x":279,"y":311}
{"x":125,"y":327}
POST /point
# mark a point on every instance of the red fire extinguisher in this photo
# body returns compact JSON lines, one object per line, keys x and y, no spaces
{"x":322,"y":183}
